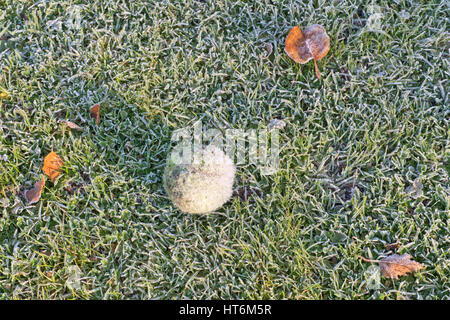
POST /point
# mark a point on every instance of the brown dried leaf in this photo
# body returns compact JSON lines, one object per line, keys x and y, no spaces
{"x":71,"y":125}
{"x":34,"y":194}
{"x":52,"y":165}
{"x":95,"y":113}
{"x":397,"y":265}
{"x":311,"y":43}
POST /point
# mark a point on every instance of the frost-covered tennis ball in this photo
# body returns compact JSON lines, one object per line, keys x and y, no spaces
{"x":201,"y":186}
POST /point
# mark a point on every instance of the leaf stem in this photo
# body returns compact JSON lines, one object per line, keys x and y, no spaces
{"x":369,"y":260}
{"x":317,"y":69}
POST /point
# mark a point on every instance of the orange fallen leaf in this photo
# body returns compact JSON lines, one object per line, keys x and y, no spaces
{"x":52,"y":165}
{"x":34,"y":194}
{"x":71,"y":125}
{"x":397,"y":265}
{"x":311,"y":43}
{"x":95,"y":113}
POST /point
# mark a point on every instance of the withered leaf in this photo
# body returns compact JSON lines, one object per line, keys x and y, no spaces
{"x":95,"y":113}
{"x":52,"y":165}
{"x":311,"y":43}
{"x":34,"y":194}
{"x":71,"y":125}
{"x":396,"y":265}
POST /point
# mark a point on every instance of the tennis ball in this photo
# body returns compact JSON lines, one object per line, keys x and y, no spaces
{"x":200,"y":186}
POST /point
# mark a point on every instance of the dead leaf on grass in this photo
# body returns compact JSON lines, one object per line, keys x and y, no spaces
{"x":95,"y":113}
{"x":396,"y":265}
{"x":52,"y":165}
{"x":34,"y":194}
{"x":311,"y":43}
{"x":71,"y":125}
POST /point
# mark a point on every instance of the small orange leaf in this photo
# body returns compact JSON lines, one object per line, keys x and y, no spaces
{"x":34,"y":194}
{"x":71,"y":125}
{"x":52,"y":165}
{"x":311,"y":43}
{"x":95,"y":113}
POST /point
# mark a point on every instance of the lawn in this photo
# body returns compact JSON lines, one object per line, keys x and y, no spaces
{"x":364,"y":160}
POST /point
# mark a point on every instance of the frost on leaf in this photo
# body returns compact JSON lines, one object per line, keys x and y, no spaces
{"x":311,"y":43}
{"x":71,"y":125}
{"x":396,"y":265}
{"x":52,"y":165}
{"x":34,"y":194}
